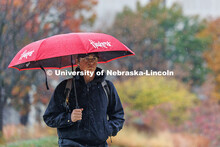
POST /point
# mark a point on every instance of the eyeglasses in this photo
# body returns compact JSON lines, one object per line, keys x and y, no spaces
{"x":89,"y":59}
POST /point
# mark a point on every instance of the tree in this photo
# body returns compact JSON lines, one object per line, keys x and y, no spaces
{"x":169,"y":95}
{"x":163,"y":39}
{"x":22,"y":22}
{"x":212,"y":55}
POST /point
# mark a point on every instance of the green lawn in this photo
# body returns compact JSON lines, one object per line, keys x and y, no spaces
{"x":50,"y":141}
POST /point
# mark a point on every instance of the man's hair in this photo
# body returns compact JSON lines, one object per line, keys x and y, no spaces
{"x":84,"y":55}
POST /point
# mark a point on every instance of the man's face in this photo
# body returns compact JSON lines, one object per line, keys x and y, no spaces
{"x":88,"y":63}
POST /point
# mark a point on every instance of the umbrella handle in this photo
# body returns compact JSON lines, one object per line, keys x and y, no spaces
{"x":75,"y":94}
{"x":77,"y":104}
{"x":74,"y":85}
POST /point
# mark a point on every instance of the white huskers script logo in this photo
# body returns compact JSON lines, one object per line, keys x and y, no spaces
{"x":25,"y":54}
{"x":100,"y":44}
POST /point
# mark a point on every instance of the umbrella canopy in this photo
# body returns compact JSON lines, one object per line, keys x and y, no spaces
{"x":57,"y":52}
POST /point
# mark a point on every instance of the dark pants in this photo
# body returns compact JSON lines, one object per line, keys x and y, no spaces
{"x":102,"y":145}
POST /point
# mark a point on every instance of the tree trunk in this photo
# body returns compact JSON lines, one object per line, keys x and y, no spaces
{"x":1,"y":118}
{"x":1,"y":114}
{"x":2,"y":103}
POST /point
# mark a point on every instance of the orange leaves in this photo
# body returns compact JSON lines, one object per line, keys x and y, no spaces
{"x":212,"y":56}
{"x":19,"y":91}
{"x":15,"y":90}
{"x":33,"y":24}
{"x":42,"y":95}
{"x":74,"y":12}
{"x":49,"y":15}
{"x":13,"y":2}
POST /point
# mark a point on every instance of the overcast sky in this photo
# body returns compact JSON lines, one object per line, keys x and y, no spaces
{"x":107,"y":9}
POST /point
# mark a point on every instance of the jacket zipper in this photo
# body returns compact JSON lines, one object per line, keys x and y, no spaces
{"x":87,"y":87}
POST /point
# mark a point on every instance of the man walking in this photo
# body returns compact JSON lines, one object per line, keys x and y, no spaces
{"x":86,"y":125}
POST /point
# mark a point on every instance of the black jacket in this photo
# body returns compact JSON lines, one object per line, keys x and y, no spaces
{"x":94,"y":127}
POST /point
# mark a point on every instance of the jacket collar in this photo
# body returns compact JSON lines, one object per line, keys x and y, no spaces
{"x":96,"y":79}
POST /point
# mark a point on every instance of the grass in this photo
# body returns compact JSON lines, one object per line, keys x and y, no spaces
{"x":130,"y":137}
{"x":19,"y":136}
{"x":50,"y":141}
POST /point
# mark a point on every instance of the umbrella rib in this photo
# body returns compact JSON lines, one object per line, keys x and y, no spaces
{"x":39,"y":49}
{"x":82,"y":43}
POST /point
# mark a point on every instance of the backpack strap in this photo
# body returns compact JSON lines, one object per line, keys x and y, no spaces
{"x":69,"y":87}
{"x":67,"y":93}
{"x":106,"y":89}
{"x":107,"y":92}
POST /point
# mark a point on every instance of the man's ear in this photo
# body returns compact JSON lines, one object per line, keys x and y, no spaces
{"x":77,"y":61}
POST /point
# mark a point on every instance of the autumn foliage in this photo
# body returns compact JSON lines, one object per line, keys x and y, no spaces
{"x":212,"y":55}
{"x":169,"y":96}
{"x":163,"y":38}
{"x":25,"y":21}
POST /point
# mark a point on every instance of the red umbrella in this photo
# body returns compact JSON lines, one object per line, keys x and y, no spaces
{"x":55,"y":52}
{"x":58,"y":51}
